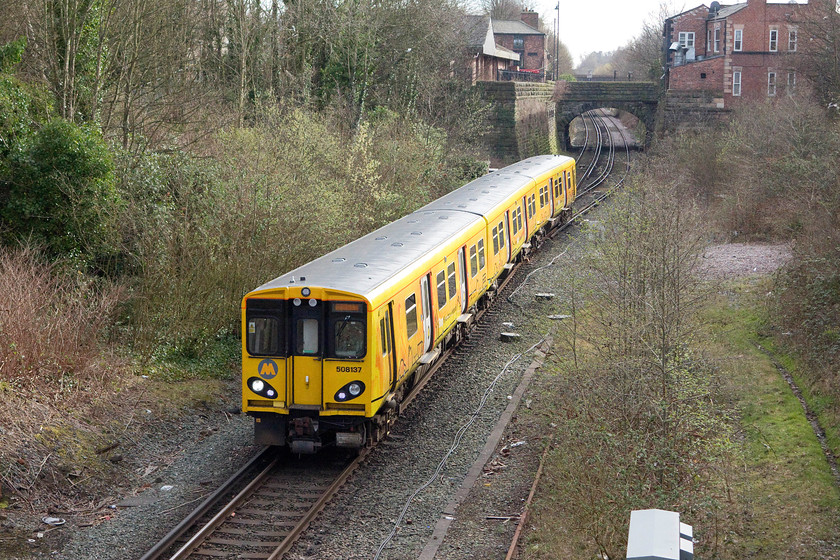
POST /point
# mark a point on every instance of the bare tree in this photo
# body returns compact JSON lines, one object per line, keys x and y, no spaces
{"x":503,"y":9}
{"x":820,"y":56}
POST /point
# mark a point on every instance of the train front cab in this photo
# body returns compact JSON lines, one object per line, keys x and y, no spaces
{"x":307,"y":371}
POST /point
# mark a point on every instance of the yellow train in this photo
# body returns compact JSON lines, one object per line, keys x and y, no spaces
{"x":330,"y":348}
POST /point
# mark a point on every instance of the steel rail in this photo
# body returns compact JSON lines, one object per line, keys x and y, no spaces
{"x":602,"y":176}
{"x":189,"y":521}
{"x":189,"y":547}
{"x":596,"y":149}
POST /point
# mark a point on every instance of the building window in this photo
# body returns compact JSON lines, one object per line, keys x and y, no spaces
{"x":736,"y":83}
{"x":687,"y":39}
{"x":518,"y":42}
{"x":792,"y":40}
{"x":791,"y":83}
{"x":738,"y":40}
{"x":774,"y":40}
{"x":771,"y":84}
{"x":717,"y":40}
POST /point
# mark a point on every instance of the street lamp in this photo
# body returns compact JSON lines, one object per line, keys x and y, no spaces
{"x":557,"y":44}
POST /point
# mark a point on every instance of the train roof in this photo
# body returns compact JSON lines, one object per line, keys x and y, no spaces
{"x":366,"y":263}
{"x":485,"y":193}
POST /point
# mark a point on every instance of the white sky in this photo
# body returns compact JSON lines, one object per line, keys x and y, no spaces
{"x":605,"y":25}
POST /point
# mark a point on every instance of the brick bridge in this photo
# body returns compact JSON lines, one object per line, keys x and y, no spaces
{"x":533,"y":118}
{"x":573,"y":98}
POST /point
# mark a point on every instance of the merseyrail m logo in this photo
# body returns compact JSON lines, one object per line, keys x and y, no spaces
{"x":267,"y":369}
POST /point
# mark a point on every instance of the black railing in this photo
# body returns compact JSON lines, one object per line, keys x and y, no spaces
{"x":520,"y":76}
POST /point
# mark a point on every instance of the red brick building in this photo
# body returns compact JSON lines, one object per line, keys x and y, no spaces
{"x":524,"y":38}
{"x":485,"y":58}
{"x":741,"y":52}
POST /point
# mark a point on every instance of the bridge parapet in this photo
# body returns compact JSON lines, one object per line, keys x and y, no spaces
{"x":632,"y":92}
{"x":522,"y":122}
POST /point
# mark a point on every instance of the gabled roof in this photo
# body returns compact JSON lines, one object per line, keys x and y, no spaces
{"x":476,"y":29}
{"x":480,"y":37}
{"x":513,"y":27}
{"x":726,"y":11}
{"x":675,"y":16}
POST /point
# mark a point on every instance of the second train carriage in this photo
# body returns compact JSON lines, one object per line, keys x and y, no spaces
{"x":329,"y":348}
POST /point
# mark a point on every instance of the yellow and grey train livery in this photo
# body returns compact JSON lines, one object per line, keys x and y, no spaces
{"x":329,"y":349}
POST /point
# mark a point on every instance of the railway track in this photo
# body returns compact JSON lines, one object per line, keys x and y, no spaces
{"x":261,"y":511}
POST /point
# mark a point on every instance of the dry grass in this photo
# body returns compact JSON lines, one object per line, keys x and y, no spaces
{"x":56,"y":380}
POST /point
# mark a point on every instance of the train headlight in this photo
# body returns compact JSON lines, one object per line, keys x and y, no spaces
{"x":350,"y":391}
{"x":305,"y":292}
{"x":262,"y":388}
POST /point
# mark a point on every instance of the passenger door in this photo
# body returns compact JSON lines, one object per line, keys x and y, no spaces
{"x":306,"y":354}
{"x":462,"y":271}
{"x":386,"y":335}
{"x":426,"y":312}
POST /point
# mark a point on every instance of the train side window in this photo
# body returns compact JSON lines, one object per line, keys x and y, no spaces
{"x":495,"y":241}
{"x":514,"y":228}
{"x":450,"y":272}
{"x":388,"y":329}
{"x":411,"y":315}
{"x":441,"y":288}
{"x":519,"y":219}
{"x":382,"y":337}
{"x":557,"y":187}
{"x":501,"y":235}
{"x":480,"y":254}
{"x":533,"y":206}
{"x":307,"y":337}
{"x":473,"y":262}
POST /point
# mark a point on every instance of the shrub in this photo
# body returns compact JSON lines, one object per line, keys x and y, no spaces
{"x":61,"y":192}
{"x":199,"y":233}
{"x":51,"y":324}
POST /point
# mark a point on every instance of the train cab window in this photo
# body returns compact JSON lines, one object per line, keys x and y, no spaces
{"x":495,"y":241}
{"x":263,"y":336}
{"x":411,"y":315}
{"x":480,"y":254}
{"x":473,"y":262}
{"x":450,"y":272}
{"x":265,"y":326}
{"x":441,"y":288}
{"x":307,"y":337}
{"x":349,"y":339}
{"x":347,"y":330}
